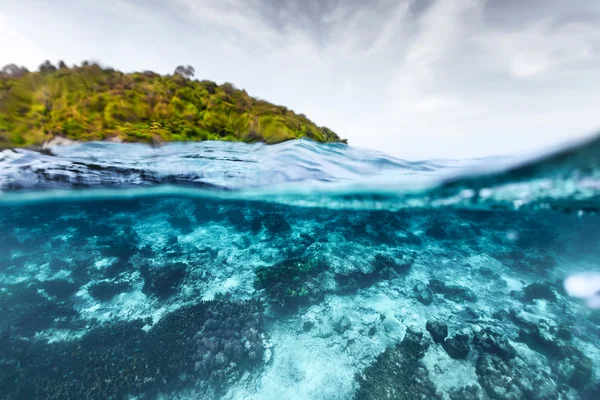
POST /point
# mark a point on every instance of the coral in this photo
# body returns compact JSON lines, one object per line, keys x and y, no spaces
{"x":574,"y":366}
{"x":490,"y":342}
{"x":292,"y":282}
{"x":383,"y":266}
{"x":210,"y":342}
{"x":469,"y":392}
{"x":106,"y":290}
{"x":61,"y":289}
{"x":163,"y":281}
{"x":496,"y":378}
{"x":275,"y":223}
{"x":230,"y":340}
{"x":437,"y":230}
{"x":537,"y":261}
{"x":398,"y":373}
{"x":27,"y":312}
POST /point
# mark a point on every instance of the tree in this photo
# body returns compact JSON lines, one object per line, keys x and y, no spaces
{"x":13,"y":71}
{"x":47,"y":67}
{"x":185,"y":71}
{"x":62,"y":65}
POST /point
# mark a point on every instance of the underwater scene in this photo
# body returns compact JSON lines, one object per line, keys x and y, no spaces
{"x":221,"y":270}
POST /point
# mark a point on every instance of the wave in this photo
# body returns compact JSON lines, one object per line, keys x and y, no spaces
{"x":303,"y":173}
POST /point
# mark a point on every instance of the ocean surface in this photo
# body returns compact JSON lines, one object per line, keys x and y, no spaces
{"x":221,"y":270}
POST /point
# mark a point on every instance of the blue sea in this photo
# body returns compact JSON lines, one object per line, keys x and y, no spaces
{"x":219,"y":270}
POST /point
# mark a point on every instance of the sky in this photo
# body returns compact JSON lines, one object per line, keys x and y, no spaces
{"x":413,"y":78}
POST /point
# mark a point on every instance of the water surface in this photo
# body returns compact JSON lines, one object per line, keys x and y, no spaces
{"x":297,"y":271}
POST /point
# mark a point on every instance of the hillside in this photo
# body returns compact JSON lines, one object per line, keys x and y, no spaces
{"x":89,"y":102}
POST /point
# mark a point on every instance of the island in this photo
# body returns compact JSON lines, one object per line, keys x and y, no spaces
{"x":89,"y":102}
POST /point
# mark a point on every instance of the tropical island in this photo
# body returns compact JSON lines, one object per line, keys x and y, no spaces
{"x":90,"y":102}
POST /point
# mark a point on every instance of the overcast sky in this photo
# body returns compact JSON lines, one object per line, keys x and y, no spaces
{"x":414,"y":78}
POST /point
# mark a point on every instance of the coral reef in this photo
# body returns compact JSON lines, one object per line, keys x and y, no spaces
{"x":398,"y":373}
{"x":212,"y":342}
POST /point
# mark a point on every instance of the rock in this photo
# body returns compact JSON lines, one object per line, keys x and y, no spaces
{"x":392,"y":326}
{"x":59,"y":288}
{"x":307,"y":325}
{"x":490,"y":342}
{"x":496,"y":378}
{"x":275,"y":223}
{"x":458,"y":346}
{"x":538,"y":291}
{"x":324,"y":331}
{"x":163,"y":281}
{"x":342,"y":325}
{"x":541,"y":338}
{"x":469,"y":392}
{"x":423,"y":294}
{"x":105,"y":291}
{"x":452,"y":292}
{"x":575,"y":367}
{"x":437,"y":230}
{"x":387,"y":265}
{"x":438,"y":330}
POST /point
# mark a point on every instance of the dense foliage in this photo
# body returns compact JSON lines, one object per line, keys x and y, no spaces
{"x":89,"y":102}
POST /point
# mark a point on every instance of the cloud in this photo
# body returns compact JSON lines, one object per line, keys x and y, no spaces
{"x":417,"y":78}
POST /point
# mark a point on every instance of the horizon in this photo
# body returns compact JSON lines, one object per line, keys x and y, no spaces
{"x":414,"y":79}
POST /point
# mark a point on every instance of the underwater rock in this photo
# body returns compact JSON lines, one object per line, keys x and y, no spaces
{"x":275,"y":223}
{"x":291,"y":283}
{"x":8,"y":243}
{"x":56,"y":264}
{"x":490,"y":342}
{"x":458,"y":346}
{"x":438,"y":330}
{"x":385,"y":264}
{"x":541,"y":338}
{"x":398,"y":373}
{"x":496,"y":378}
{"x":437,"y":230}
{"x":409,"y":238}
{"x":455,"y":293}
{"x":423,"y":293}
{"x":469,"y":392}
{"x":118,"y":267}
{"x":181,"y":222}
{"x":163,"y":281}
{"x":384,"y":267}
{"x":574,"y":367}
{"x":123,"y":247}
{"x":342,"y":324}
{"x":529,"y":261}
{"x":105,"y":291}
{"x":536,"y":291}
{"x":308,"y":325}
{"x":62,"y":289}
{"x":35,"y":312}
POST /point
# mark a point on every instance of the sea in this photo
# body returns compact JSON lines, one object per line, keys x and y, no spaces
{"x":220,"y":270}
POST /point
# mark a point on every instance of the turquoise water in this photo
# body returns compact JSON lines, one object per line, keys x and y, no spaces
{"x":297,"y":271}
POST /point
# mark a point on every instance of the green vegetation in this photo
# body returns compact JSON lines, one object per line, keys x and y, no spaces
{"x":89,"y":102}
